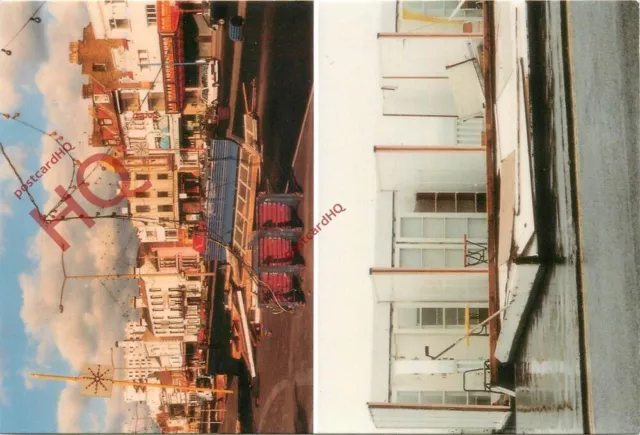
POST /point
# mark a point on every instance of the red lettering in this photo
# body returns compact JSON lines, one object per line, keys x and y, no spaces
{"x":122,"y":173}
{"x":49,"y":227}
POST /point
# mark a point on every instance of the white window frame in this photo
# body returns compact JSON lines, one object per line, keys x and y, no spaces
{"x":445,"y":216}
{"x":470,"y":396}
{"x":397,"y":306}
{"x":432,"y":246}
{"x":151,"y":14}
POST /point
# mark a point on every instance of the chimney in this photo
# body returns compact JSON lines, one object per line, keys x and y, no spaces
{"x":74,"y":53}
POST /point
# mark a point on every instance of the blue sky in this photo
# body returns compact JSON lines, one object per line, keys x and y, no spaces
{"x":38,"y":81}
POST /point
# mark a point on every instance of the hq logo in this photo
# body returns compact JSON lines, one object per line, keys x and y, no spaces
{"x":72,"y":205}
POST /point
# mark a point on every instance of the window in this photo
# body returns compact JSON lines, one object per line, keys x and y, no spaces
{"x":435,"y":256}
{"x":143,"y":59}
{"x":156,"y":296}
{"x":421,"y":318}
{"x":441,"y":228}
{"x":152,"y":17}
{"x":99,"y":67}
{"x":106,"y":121}
{"x":171,"y":234}
{"x":156,"y":102}
{"x":154,"y":290}
{"x":142,"y":176}
{"x":143,"y":209}
{"x":142,"y":194}
{"x":116,"y":23}
{"x":167,"y":262}
{"x":165,"y":208}
{"x":443,"y":397}
{"x":446,"y":202}
{"x":163,"y":194}
{"x":163,"y":176}
{"x":130,"y":101}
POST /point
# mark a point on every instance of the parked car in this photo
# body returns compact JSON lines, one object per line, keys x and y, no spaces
{"x":210,"y":82}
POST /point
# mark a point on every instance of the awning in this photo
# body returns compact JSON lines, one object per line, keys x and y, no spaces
{"x":467,"y":89}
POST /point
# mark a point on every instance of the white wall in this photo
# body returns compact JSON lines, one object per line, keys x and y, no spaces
{"x":140,"y":35}
{"x":418,"y":97}
{"x":421,"y":57}
{"x":381,"y":340}
{"x":431,"y":171}
{"x":384,"y":229}
{"x":412,"y":130}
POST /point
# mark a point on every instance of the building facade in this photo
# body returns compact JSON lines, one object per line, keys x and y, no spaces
{"x":144,"y":358}
{"x":430,"y":276}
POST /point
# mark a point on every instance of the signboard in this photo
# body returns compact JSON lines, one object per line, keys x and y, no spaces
{"x":168,"y":15}
{"x":96,"y":380}
{"x":169,"y":73}
{"x":144,"y":115}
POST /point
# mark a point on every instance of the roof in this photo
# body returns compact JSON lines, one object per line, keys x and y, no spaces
{"x":221,"y":196}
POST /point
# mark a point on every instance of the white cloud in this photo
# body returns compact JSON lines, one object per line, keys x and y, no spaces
{"x":26,"y":49}
{"x":91,"y":322}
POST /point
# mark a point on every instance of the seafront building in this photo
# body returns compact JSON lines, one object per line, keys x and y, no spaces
{"x":431,"y":271}
{"x":148,"y":105}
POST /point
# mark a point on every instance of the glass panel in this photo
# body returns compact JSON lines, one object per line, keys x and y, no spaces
{"x":446,"y":203}
{"x":455,"y":398}
{"x":431,"y":397}
{"x":425,"y":203}
{"x":456,"y":228}
{"x":478,"y":229}
{"x":411,"y":227}
{"x":481,"y":199}
{"x":412,"y":397}
{"x":434,"y":258}
{"x":466,"y":202}
{"x":411,"y":258}
{"x":434,"y":228}
{"x":454,"y":317}
{"x":478,"y":315}
{"x":479,"y":398}
{"x":407,"y":317}
{"x":454,"y":257}
{"x":431,"y":316}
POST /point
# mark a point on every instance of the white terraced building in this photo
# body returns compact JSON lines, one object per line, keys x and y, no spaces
{"x":143,"y":358}
{"x":430,"y":276}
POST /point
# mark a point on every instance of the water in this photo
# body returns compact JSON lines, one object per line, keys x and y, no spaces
{"x":554,"y":392}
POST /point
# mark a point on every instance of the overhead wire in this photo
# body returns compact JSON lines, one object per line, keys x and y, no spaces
{"x":30,"y":19}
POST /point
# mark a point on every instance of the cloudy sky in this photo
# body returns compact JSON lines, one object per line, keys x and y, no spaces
{"x":38,"y":81}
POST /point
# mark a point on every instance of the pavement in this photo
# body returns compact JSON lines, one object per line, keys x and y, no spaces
{"x":604,"y":38}
{"x":578,"y":365}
